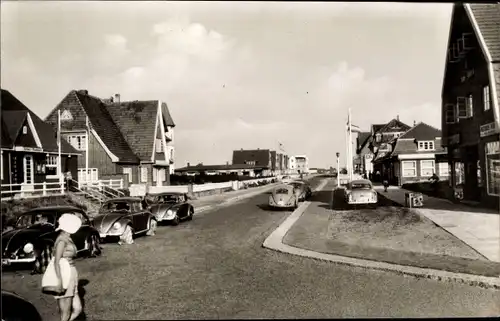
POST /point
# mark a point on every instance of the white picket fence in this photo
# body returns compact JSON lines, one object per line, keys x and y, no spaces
{"x":14,"y":191}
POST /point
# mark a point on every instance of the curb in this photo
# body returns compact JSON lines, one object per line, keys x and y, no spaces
{"x":275,"y":242}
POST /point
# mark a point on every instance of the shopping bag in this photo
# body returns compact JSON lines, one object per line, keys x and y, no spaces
{"x":50,"y":280}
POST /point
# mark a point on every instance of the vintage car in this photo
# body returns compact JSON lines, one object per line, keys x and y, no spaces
{"x":32,"y":238}
{"x":16,"y":308}
{"x":286,"y":179}
{"x":125,"y":217}
{"x":283,"y":196}
{"x":360,"y":192}
{"x":170,"y":207}
{"x":302,"y":189}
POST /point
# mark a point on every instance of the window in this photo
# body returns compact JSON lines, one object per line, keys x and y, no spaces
{"x":426,"y":145}
{"x":449,"y":110}
{"x":409,"y":168}
{"x":493,"y":168}
{"x":427,"y":168}
{"x":470,"y":105}
{"x":128,"y":171}
{"x":51,"y":165}
{"x":378,"y":138}
{"x":486,"y":98}
{"x":444,"y":169}
{"x":77,"y":141}
{"x":155,"y":174}
{"x":161,"y":175}
{"x":252,"y":163}
{"x":159,"y":145}
{"x":25,"y":129}
{"x":144,"y":174}
{"x":172,"y":154}
{"x":461,"y":107}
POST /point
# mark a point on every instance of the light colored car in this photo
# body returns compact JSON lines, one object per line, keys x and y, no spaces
{"x":283,"y":196}
{"x":360,"y":192}
{"x":286,"y":179}
{"x":302,"y":189}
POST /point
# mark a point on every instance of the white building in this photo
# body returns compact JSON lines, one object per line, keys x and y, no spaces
{"x":301,"y":164}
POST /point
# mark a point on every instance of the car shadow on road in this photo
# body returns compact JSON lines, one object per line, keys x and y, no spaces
{"x":81,"y":292}
{"x":266,"y":207}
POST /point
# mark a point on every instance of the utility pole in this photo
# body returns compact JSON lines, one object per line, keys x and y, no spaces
{"x":338,"y":169}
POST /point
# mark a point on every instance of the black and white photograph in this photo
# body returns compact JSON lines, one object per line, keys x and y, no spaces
{"x":172,"y":160}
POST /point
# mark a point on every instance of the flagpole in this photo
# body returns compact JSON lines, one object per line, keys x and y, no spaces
{"x":87,"y":150}
{"x":350,"y":147}
{"x":59,"y":160}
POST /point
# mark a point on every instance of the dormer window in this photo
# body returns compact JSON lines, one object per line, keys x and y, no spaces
{"x":426,"y":145}
{"x":25,"y":129}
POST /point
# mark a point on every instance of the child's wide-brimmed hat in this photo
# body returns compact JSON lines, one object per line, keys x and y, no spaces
{"x":69,"y":223}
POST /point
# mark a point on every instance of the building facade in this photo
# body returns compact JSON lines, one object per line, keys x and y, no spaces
{"x":470,"y":108}
{"x":301,"y":164}
{"x":259,"y":158}
{"x":133,"y":140}
{"x":29,"y":150}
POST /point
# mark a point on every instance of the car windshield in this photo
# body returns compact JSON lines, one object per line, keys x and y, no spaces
{"x":168,"y":198}
{"x":117,"y":206}
{"x":296,"y":185}
{"x":30,"y":219}
{"x":281,"y":191}
{"x":360,"y":186}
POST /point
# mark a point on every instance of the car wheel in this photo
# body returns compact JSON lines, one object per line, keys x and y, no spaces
{"x":191,"y":214}
{"x":93,"y":245}
{"x":43,"y":258}
{"x":153,"y":224}
{"x":128,"y":235}
{"x":176,"y":220}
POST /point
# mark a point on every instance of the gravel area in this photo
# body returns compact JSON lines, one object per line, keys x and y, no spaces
{"x":390,"y":233}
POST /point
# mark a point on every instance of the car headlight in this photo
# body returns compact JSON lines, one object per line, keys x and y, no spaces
{"x":169,"y":212}
{"x":28,"y":248}
{"x":117,"y":225}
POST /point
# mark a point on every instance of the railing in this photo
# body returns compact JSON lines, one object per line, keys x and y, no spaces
{"x":108,"y":188}
{"x":31,"y":190}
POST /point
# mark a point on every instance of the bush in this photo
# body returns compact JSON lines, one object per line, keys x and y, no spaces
{"x":14,"y":207}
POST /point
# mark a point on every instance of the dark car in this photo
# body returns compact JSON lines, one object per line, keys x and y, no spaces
{"x":170,"y":207}
{"x":125,"y":217}
{"x":15,"y":308}
{"x":302,"y":189}
{"x":33,"y":236}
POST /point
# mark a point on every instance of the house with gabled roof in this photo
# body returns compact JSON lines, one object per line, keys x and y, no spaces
{"x":131,"y":140}
{"x":470,"y":101}
{"x":414,"y":156}
{"x":29,"y":150}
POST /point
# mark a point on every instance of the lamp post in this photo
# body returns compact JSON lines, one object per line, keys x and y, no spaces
{"x":338,"y":169}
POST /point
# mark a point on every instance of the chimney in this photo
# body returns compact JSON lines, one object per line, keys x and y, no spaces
{"x":83,"y":91}
{"x":117,"y":98}
{"x":188,"y":164}
{"x":397,"y":117}
{"x":227,"y":163}
{"x":111,"y":99}
{"x":414,"y":123}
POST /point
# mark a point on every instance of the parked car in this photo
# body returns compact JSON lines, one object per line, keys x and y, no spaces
{"x":286,"y":179}
{"x":125,"y":217}
{"x":16,"y":308}
{"x":283,"y":196}
{"x":33,"y":236}
{"x":360,"y":191}
{"x":170,"y":207}
{"x":302,"y":189}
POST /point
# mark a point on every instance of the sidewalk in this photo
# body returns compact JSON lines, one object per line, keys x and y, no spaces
{"x":477,"y":227}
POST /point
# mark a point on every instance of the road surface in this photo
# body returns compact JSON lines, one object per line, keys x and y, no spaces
{"x":215,"y":267}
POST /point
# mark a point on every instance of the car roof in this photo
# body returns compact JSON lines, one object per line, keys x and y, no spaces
{"x":55,"y":208}
{"x":284,"y":186}
{"x":300,"y":182}
{"x":361,"y":181}
{"x":124,"y":199}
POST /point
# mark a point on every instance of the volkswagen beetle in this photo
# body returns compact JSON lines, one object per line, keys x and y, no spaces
{"x":360,"y":192}
{"x":302,"y":190}
{"x":124,"y":217}
{"x":283,"y":196}
{"x":170,"y":207}
{"x":16,"y":308}
{"x":31,"y":241}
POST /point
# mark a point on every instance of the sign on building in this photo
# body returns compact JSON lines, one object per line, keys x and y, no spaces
{"x":487,"y":129}
{"x":66,"y":115}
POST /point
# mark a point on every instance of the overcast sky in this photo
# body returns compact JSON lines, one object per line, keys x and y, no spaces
{"x":235,"y":74}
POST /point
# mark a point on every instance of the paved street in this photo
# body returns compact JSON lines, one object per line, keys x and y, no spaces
{"x":215,"y":267}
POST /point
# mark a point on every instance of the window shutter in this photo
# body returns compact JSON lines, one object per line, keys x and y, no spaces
{"x":461,"y":107}
{"x":450,"y":115}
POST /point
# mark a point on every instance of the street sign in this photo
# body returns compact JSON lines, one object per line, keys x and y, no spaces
{"x":487,"y":129}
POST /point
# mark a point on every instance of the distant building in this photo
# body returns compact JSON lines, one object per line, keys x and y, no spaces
{"x":302,"y":164}
{"x":242,"y":170}
{"x":259,"y":158}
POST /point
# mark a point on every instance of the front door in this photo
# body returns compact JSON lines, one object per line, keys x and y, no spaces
{"x":28,"y":171}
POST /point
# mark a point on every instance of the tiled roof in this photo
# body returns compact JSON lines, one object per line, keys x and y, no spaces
{"x":166,"y":115}
{"x":6,"y":141}
{"x":12,"y":107}
{"x":14,"y":120}
{"x":422,"y":131}
{"x":487,"y":17}
{"x":377,"y":127}
{"x":363,"y":139}
{"x":260,"y":156}
{"x":106,"y":128}
{"x":136,"y":121}
{"x":394,"y":125}
{"x":215,"y":167}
